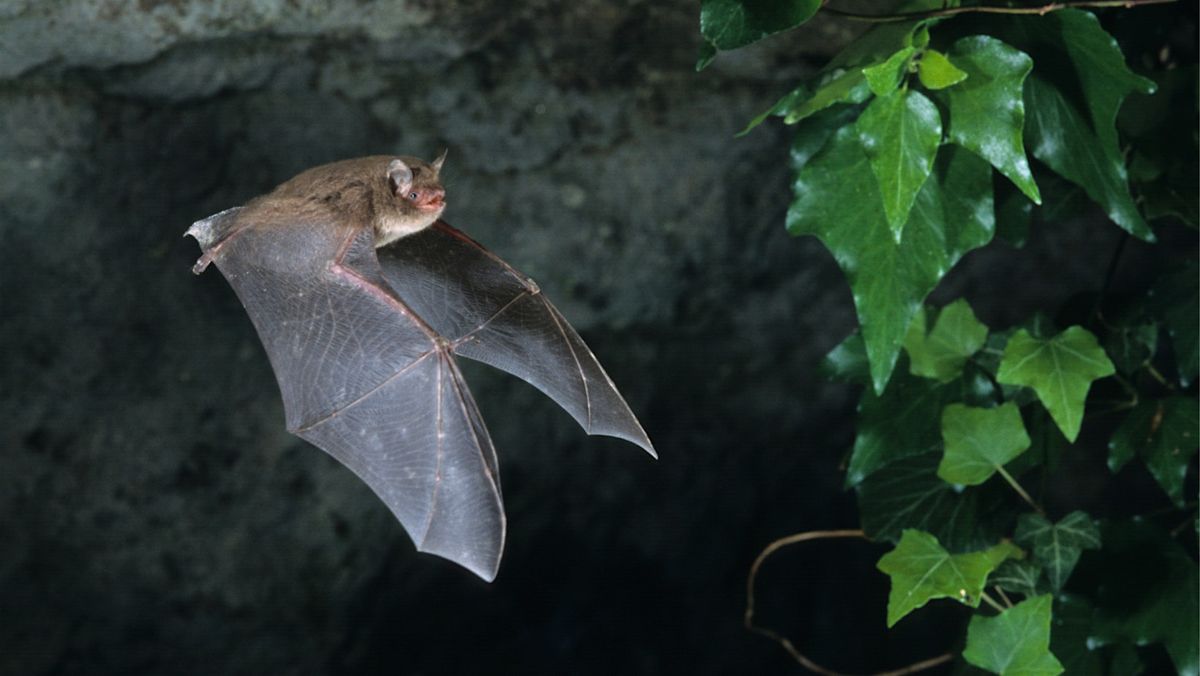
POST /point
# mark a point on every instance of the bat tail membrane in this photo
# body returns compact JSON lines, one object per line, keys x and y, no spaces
{"x":492,"y":313}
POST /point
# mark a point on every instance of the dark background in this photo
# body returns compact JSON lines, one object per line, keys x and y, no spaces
{"x":155,"y":517}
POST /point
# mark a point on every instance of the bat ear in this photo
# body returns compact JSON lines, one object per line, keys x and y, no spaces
{"x":437,"y":164}
{"x":400,"y":177}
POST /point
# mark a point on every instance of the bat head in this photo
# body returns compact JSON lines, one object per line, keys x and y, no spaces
{"x":418,"y":198}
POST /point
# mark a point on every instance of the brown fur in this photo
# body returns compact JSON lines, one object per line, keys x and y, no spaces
{"x":352,"y":193}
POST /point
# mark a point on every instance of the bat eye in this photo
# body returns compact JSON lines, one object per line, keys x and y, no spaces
{"x":412,"y":196}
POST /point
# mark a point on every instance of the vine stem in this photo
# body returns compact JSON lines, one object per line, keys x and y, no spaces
{"x":992,"y":602}
{"x":1003,"y":597}
{"x":1020,"y":491}
{"x":783,"y":641}
{"x":988,"y":9}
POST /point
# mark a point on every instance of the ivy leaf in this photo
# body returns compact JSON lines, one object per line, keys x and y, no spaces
{"x":910,"y":495}
{"x":937,"y":72}
{"x":1075,"y":49}
{"x":1018,"y":576}
{"x":848,"y":361}
{"x":842,"y":80}
{"x":883,"y":78}
{"x":1060,"y":369}
{"x":790,"y":100}
{"x":979,"y":441}
{"x":814,"y":133}
{"x":987,"y":111}
{"x":921,"y":570}
{"x":800,"y":104}
{"x":1072,"y":622}
{"x":1076,"y":136}
{"x":1073,"y":53}
{"x":729,"y":24}
{"x":836,"y":198}
{"x":900,"y":134}
{"x":1130,"y":346}
{"x":1162,"y":128}
{"x":1147,"y":591}
{"x":1057,"y":546}
{"x":899,"y":423}
{"x":1175,"y":298}
{"x":1047,"y":443}
{"x":1163,"y":433}
{"x":1017,"y":641}
{"x":941,"y":353}
{"x":883,"y":40}
{"x":1059,"y":136}
{"x":848,"y":86}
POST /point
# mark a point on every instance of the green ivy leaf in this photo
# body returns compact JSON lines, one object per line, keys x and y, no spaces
{"x":1147,"y":591}
{"x":1057,"y":546}
{"x":814,"y":133}
{"x":848,"y":86}
{"x":979,"y":441}
{"x":1018,"y":576}
{"x":911,"y":495}
{"x":837,"y":199}
{"x":1176,"y":296}
{"x":1017,"y":641}
{"x":1130,"y":346}
{"x":782,"y":106}
{"x":921,"y":570}
{"x":848,"y":361}
{"x":883,"y":40}
{"x":1076,"y":135}
{"x":1164,"y":433}
{"x":987,"y":112}
{"x":1059,"y":136}
{"x":706,"y":56}
{"x":940,"y":354}
{"x":1075,"y":49}
{"x":1164,"y":145}
{"x":1072,"y":622}
{"x":1060,"y":369}
{"x":883,"y":78}
{"x":842,"y":80}
{"x":937,"y":72}
{"x":1047,"y":443}
{"x":900,"y":423}
{"x":729,"y":24}
{"x":900,"y":134}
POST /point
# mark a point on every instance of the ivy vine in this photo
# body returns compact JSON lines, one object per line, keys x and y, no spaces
{"x":945,"y":126}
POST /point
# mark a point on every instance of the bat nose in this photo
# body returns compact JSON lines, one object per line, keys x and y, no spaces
{"x":434,"y":196}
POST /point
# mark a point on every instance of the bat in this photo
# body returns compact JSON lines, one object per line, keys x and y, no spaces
{"x":363,"y":298}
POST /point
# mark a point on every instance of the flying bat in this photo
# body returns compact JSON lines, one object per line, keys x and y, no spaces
{"x":363,"y":298}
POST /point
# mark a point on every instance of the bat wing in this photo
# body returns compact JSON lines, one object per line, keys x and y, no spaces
{"x":364,"y":378}
{"x":492,"y":313}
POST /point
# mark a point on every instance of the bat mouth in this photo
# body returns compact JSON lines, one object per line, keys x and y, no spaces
{"x":433,"y":205}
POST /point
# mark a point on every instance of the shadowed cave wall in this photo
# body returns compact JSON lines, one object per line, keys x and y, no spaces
{"x":156,"y":518}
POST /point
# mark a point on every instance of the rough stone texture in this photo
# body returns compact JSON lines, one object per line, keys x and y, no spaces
{"x":156,"y":518}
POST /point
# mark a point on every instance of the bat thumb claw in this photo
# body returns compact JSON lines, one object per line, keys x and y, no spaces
{"x":201,"y":264}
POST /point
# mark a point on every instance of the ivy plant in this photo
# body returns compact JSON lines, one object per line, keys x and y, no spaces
{"x":946,"y":126}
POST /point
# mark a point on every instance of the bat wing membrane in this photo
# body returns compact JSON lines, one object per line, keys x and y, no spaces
{"x":492,"y":313}
{"x":364,"y":378}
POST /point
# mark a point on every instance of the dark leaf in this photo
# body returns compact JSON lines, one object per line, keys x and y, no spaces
{"x":911,"y":495}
